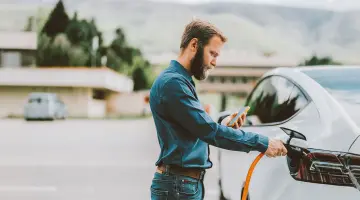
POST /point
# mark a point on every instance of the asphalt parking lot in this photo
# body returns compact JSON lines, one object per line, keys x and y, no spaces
{"x":82,"y":159}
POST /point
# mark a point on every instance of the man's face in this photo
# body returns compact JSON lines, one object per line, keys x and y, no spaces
{"x":205,"y":58}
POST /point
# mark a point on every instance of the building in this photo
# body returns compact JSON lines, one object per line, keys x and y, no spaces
{"x":17,"y":49}
{"x":235,"y":73}
{"x":87,"y":92}
{"x":233,"y":80}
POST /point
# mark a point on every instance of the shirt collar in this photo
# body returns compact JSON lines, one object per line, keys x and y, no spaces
{"x":180,"y":69}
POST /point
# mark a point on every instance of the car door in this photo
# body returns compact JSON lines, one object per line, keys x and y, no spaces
{"x":273,"y":102}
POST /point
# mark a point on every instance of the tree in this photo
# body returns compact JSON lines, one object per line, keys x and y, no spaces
{"x":76,"y":31}
{"x":59,"y":52}
{"x":69,"y":42}
{"x":142,"y":73}
{"x":125,"y":54}
{"x":314,"y":60}
{"x":140,"y":79}
{"x":57,"y":21}
{"x":77,"y":56}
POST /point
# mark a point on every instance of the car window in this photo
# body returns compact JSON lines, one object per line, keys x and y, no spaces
{"x":35,"y":100}
{"x":275,"y":99}
{"x":296,"y":102}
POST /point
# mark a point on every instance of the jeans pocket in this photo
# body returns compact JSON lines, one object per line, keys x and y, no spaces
{"x":189,"y":186}
{"x":157,"y":194}
{"x":160,"y":188}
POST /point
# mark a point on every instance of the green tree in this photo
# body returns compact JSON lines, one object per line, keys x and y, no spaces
{"x":140,"y":79}
{"x":314,"y":60}
{"x":77,"y":56}
{"x":121,"y":56}
{"x":142,"y":73}
{"x":76,"y":31}
{"x":59,"y":52}
{"x":57,"y":21}
{"x":70,"y":43}
{"x":53,"y":52}
{"x":81,"y":33}
{"x":74,"y":46}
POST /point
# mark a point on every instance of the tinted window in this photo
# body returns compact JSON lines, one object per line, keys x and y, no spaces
{"x":344,"y":85}
{"x":275,"y":99}
{"x":296,"y":102}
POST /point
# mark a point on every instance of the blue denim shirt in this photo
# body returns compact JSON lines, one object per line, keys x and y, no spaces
{"x":185,"y":130}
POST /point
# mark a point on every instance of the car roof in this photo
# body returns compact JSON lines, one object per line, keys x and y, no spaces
{"x":41,"y":94}
{"x":299,"y":76}
{"x":294,"y":72}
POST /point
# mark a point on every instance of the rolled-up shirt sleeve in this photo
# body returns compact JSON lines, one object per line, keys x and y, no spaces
{"x":185,"y":109}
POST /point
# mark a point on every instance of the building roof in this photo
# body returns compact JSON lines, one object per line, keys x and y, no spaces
{"x":18,"y":40}
{"x":102,"y":78}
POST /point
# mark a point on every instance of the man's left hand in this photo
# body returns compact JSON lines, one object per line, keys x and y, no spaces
{"x":238,"y":123}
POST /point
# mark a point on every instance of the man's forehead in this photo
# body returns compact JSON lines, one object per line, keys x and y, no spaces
{"x":216,"y":40}
{"x":215,"y":44}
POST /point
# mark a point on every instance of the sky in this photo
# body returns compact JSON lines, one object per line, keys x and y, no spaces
{"x":329,"y":4}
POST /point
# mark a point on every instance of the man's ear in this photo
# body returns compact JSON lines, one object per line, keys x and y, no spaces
{"x":194,"y":44}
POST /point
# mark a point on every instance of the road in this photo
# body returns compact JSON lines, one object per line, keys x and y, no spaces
{"x":82,"y":159}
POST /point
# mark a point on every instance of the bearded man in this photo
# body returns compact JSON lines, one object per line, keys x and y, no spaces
{"x":184,"y":129}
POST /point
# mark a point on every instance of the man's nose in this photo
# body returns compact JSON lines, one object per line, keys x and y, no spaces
{"x":213,"y":63}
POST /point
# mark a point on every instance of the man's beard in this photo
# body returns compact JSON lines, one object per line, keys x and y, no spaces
{"x":197,"y":66}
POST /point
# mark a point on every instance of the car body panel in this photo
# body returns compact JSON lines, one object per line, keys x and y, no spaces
{"x":355,"y":147}
{"x":325,"y":124}
{"x":238,"y":162}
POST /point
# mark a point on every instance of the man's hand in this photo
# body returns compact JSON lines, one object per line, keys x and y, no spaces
{"x":238,"y":123}
{"x":275,"y":148}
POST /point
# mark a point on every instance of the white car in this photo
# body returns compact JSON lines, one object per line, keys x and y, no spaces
{"x":320,"y":106}
{"x":44,"y":106}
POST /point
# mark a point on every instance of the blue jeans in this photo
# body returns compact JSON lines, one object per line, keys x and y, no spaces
{"x":176,"y":187}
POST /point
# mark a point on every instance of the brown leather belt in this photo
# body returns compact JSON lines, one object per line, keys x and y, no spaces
{"x":190,"y":172}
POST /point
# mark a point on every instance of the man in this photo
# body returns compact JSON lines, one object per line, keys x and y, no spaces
{"x":184,"y":129}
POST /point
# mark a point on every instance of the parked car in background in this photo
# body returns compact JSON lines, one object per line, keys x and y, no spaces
{"x":44,"y":106}
{"x":322,"y":106}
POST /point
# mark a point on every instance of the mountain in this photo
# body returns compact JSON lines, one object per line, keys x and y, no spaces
{"x":252,"y":29}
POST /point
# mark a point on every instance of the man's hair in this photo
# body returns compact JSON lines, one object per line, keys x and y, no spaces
{"x":202,"y":30}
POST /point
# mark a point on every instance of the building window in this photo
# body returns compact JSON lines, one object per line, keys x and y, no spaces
{"x":222,"y":79}
{"x":245,"y":80}
{"x":99,"y":94}
{"x":211,"y":79}
{"x":10,"y":59}
{"x":234,"y":79}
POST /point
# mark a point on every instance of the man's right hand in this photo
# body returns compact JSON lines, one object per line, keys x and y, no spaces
{"x":275,"y":148}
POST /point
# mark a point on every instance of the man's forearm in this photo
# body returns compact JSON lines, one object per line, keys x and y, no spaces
{"x":237,"y":140}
